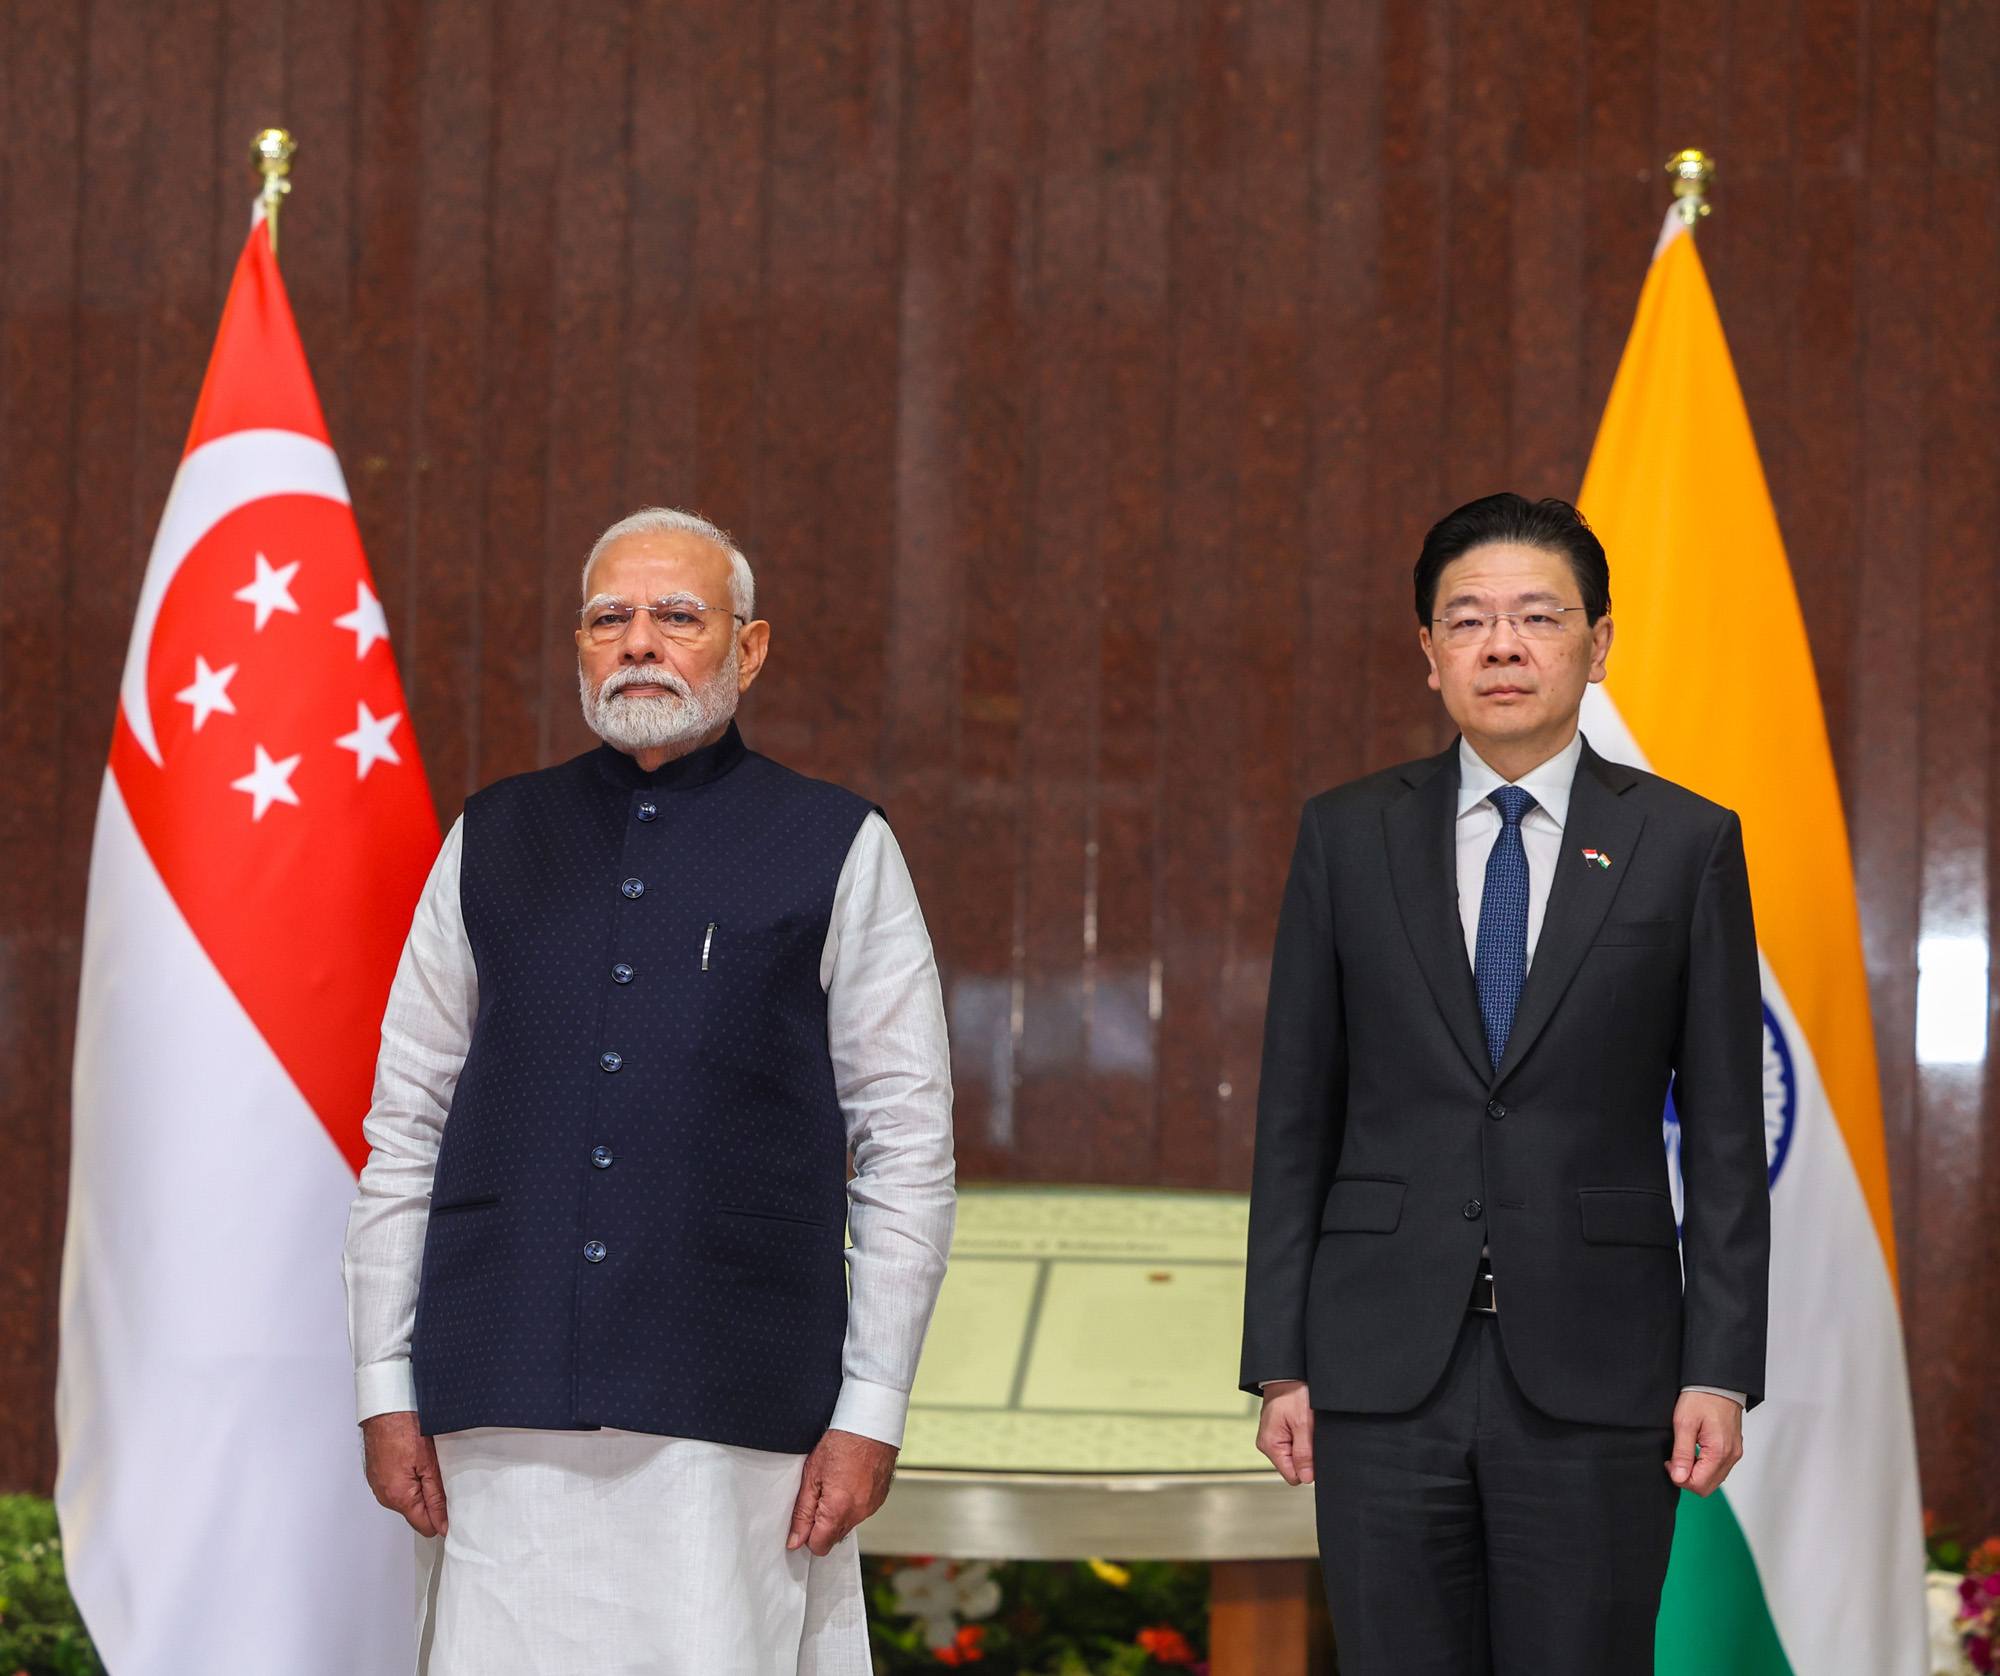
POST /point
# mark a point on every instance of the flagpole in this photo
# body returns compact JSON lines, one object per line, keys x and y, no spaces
{"x":1692,"y":172}
{"x":272,"y":152}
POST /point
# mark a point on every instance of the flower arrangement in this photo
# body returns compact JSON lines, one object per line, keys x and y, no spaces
{"x":1979,"y":1607}
{"x":40,"y":1631}
{"x":1963,"y":1590}
{"x":1089,"y":1618}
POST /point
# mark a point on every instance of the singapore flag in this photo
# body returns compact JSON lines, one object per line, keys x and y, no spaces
{"x":262,"y":835}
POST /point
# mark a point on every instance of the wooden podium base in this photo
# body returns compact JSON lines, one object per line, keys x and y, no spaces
{"x":1268,"y":1618}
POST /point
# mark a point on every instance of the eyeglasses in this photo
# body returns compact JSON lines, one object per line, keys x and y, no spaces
{"x":1470,"y":628}
{"x":681,"y":618}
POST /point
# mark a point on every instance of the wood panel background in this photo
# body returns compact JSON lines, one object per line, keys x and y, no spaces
{"x":1080,"y":376}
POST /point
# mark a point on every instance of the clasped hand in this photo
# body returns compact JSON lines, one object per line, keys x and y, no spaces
{"x":846,"y":1478}
{"x":1285,"y":1430}
{"x":402,"y":1468}
{"x":1708,"y":1436}
{"x":1708,"y":1441}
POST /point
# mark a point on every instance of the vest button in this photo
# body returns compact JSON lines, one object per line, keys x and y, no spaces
{"x":593,"y":1251}
{"x":601,"y":1157}
{"x":1473,"y":1208}
{"x":1495,"y":1110}
{"x":648,"y":811}
{"x":633,"y":889}
{"x":621,"y":973}
{"x":610,"y":1060}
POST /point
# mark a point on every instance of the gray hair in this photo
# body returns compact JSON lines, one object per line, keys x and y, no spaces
{"x":655,"y":520}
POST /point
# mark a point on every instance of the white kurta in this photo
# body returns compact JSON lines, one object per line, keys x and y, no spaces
{"x":620,"y":1553}
{"x":615,"y":1553}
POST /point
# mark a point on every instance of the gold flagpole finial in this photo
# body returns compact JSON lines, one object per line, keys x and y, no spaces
{"x":272,"y":152}
{"x":1691,"y":171}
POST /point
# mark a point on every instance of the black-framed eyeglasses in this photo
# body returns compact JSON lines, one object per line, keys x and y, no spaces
{"x":1538,"y":622}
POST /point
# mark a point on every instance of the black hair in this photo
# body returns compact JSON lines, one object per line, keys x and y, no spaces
{"x":1553,"y":525}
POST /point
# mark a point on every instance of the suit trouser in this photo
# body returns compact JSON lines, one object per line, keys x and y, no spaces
{"x":1474,"y":1534}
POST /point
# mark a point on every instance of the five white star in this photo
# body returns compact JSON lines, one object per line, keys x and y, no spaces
{"x":269,"y":782}
{"x":209,"y":693}
{"x":366,"y":620}
{"x":370,"y":739}
{"x":271,"y":591}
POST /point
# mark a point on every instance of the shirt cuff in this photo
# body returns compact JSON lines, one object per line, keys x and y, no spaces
{"x":383,"y":1388}
{"x":871,"y":1410}
{"x":1739,"y":1398}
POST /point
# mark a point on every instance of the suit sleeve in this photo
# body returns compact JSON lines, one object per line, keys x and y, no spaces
{"x":1719,"y":1093}
{"x":1301,"y":1110}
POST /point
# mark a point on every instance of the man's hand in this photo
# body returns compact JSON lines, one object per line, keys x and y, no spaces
{"x":1708,"y":1441}
{"x":402,"y":1467}
{"x":846,"y":1478}
{"x":1285,"y":1429}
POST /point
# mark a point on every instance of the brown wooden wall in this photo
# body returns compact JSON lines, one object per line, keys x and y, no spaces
{"x":1079,"y":375}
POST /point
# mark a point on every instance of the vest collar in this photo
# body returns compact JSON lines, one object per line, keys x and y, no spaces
{"x":697,"y":768}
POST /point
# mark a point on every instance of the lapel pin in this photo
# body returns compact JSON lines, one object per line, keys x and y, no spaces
{"x":1597,"y":858}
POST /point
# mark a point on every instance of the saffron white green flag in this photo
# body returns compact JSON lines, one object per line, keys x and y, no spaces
{"x":1810,"y":1561}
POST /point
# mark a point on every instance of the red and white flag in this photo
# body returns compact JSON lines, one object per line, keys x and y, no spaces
{"x":262,"y":835}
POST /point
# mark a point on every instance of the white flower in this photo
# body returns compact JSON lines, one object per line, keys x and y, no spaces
{"x":927,"y":1594}
{"x":940,"y":1596}
{"x":1947,"y":1651}
{"x":978,"y":1595}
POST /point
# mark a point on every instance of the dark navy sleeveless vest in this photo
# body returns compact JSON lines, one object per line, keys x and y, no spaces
{"x":639,"y":1213}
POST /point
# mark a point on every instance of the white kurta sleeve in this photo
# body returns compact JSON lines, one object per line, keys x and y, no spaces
{"x":425,"y":1032}
{"x":892,"y":1069}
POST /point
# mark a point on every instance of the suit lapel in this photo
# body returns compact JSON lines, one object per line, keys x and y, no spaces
{"x":1421,"y":828}
{"x":1580,"y":894}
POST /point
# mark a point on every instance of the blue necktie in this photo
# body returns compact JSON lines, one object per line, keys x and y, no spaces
{"x":1500,"y":959}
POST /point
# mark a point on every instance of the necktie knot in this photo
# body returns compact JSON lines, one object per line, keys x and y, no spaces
{"x":1513,"y":804}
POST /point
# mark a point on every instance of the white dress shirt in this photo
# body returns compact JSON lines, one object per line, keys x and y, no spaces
{"x":892,"y":1070}
{"x":1479,"y":824}
{"x":1541,"y":833}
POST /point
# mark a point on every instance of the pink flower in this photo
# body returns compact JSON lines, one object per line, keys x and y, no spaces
{"x":1991,"y":1584}
{"x":1980,"y":1651}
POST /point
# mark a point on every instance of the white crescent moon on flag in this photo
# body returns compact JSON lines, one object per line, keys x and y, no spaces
{"x":215,"y":480}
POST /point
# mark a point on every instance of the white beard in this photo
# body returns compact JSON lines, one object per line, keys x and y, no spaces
{"x":673,"y":722}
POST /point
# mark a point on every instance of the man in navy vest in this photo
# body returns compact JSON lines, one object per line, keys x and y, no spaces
{"x":609,"y":1345}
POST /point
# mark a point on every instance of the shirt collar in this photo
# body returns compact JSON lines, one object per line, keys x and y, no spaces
{"x":1549,"y":784}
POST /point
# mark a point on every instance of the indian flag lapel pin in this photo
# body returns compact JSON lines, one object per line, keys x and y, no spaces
{"x":1597,"y":858}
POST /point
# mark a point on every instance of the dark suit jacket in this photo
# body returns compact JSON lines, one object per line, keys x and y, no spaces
{"x":1388,"y":1150}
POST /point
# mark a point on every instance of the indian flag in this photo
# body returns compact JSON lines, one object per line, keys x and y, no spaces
{"x":1810,"y":1561}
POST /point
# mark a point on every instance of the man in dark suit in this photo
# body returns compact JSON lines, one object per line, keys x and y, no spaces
{"x":1467,"y":1309}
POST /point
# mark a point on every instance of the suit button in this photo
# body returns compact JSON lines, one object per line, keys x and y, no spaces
{"x":633,"y":889}
{"x":621,"y":973}
{"x":593,"y":1251}
{"x":610,"y":1060}
{"x":1473,"y":1210}
{"x":648,"y":811}
{"x":601,"y":1157}
{"x":1495,"y":1110}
